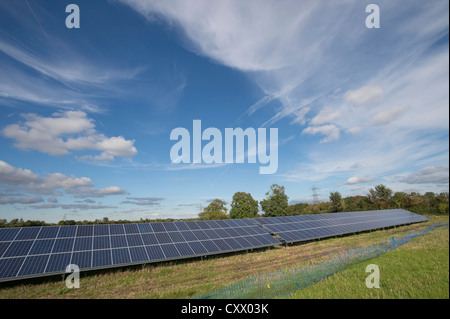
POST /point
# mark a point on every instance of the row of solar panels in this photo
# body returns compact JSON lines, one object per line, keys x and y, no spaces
{"x":38,"y":251}
{"x":307,"y":227}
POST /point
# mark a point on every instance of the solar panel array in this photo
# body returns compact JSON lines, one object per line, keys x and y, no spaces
{"x":308,"y":227}
{"x":38,"y":251}
{"x":30,"y":251}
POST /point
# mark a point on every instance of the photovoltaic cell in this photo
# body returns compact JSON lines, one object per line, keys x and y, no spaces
{"x":48,"y":232}
{"x":42,"y":246}
{"x":35,"y":251}
{"x":34,"y":265}
{"x":58,"y":262}
{"x":138,"y":254}
{"x":27,"y":233}
{"x":309,"y":227}
{"x":101,"y":258}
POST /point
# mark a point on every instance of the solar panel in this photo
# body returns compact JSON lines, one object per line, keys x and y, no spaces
{"x":38,"y":251}
{"x":308,"y":227}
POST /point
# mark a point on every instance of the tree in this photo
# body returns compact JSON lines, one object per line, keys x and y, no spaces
{"x":337,"y":204}
{"x":276,"y":203}
{"x":357,"y":203}
{"x":298,"y":209}
{"x":380,"y":196}
{"x":215,"y":210}
{"x":243,"y":206}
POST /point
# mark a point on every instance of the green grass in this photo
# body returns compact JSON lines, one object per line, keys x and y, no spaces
{"x":184,"y":279}
{"x":417,"y":270}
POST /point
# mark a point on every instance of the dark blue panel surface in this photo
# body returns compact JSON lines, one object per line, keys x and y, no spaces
{"x":58,"y":262}
{"x":18,"y":248}
{"x":197,"y":248}
{"x":211,"y":234}
{"x":170,"y":227}
{"x":134,"y":240}
{"x":10,"y":267}
{"x":181,"y":226}
{"x":48,"y":232}
{"x":63,"y":245}
{"x":188,"y":235}
{"x":85,"y":230}
{"x":232,"y":243}
{"x":101,"y":258}
{"x":200,"y":235}
{"x":210,"y":246}
{"x":155,"y":252}
{"x":149,"y":239}
{"x":83,"y":259}
{"x":102,"y":242}
{"x":223,"y":246}
{"x":118,"y":241}
{"x":138,"y":254}
{"x":192,"y":225}
{"x":101,"y":230}
{"x":170,"y":250}
{"x":184,"y":249}
{"x":8,"y":233}
{"x":34,"y":265}
{"x":42,"y":246}
{"x":176,"y":237}
{"x":121,"y":256}
{"x":131,"y":229}
{"x":145,"y":228}
{"x":163,"y":238}
{"x":67,"y":231}
{"x":82,"y":243}
{"x":28,"y":233}
{"x":3,"y":247}
{"x":116,"y":229}
{"x":158,"y":227}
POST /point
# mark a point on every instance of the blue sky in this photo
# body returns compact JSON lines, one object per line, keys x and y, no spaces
{"x":86,"y":114}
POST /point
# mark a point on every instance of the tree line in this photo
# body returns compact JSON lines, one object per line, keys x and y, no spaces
{"x":276,"y":203}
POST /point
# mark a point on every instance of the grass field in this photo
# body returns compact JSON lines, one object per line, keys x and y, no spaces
{"x":418,"y":269}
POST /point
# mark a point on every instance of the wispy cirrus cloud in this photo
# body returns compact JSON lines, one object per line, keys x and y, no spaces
{"x":380,"y":95}
{"x":41,"y":67}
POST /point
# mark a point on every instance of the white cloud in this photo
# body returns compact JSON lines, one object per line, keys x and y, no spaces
{"x":51,"y":184}
{"x":301,"y":47}
{"x":15,"y":176}
{"x":85,"y":206}
{"x":388,"y":116}
{"x":366,"y":95}
{"x":65,"y":132}
{"x":354,"y":130}
{"x":20,"y":200}
{"x":330,"y":131}
{"x":427,"y":175}
{"x":326,"y":115}
{"x":93,"y":192}
{"x":144,"y":201}
{"x":357,"y":180}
